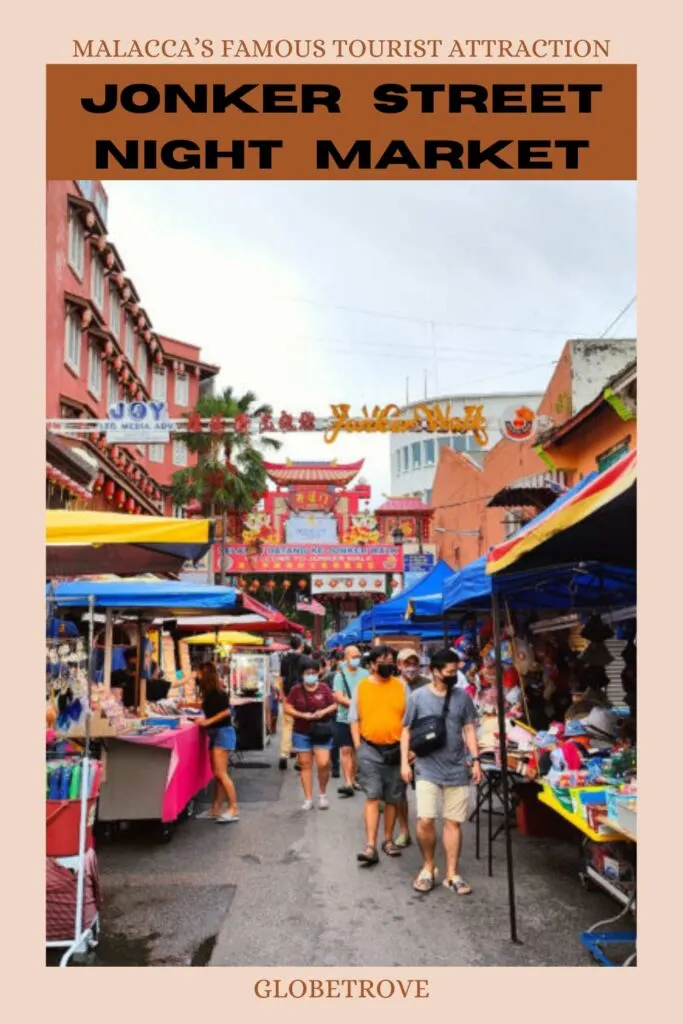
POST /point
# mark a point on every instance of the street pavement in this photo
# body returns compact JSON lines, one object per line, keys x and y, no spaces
{"x":282,"y":887}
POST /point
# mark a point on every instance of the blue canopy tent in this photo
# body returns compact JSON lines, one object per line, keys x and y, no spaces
{"x":154,"y":598}
{"x":390,"y":616}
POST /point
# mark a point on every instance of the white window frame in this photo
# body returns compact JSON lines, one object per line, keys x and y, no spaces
{"x":97,"y":278}
{"x":405,"y":458}
{"x":184,"y":398}
{"x":73,"y":324}
{"x":130,"y":341}
{"x":429,"y":460}
{"x":159,"y":374}
{"x":112,"y":389}
{"x":101,"y":205}
{"x":143,"y":363}
{"x":399,"y":467}
{"x":156,"y":453}
{"x":179,"y":453}
{"x":94,"y":370}
{"x":114,"y":312}
{"x":76,"y":250}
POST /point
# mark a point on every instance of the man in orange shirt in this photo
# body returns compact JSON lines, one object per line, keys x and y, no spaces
{"x":376,"y":720}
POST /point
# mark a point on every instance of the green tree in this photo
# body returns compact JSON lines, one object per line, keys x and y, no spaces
{"x":229,"y":477}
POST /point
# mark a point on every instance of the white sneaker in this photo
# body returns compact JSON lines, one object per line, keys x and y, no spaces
{"x":226,"y":819}
{"x":323,"y":802}
{"x":307,"y":805}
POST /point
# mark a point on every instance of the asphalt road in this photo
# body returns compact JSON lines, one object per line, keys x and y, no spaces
{"x":282,"y":887}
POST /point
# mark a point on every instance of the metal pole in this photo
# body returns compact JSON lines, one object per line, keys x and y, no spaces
{"x":108,"y":638}
{"x":504,"y":763}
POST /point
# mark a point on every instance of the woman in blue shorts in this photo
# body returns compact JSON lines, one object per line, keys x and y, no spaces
{"x":222,"y":739}
{"x":312,"y":705}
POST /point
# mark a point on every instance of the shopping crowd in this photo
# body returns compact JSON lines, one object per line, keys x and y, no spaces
{"x":382,"y":726}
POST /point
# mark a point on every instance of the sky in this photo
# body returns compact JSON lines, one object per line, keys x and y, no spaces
{"x":313,"y":293}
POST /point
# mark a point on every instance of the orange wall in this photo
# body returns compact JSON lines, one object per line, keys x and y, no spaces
{"x":599,"y":433}
{"x":462,"y":490}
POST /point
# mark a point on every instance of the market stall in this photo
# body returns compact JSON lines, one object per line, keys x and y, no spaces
{"x":250,"y":683}
{"x":541,"y":570}
{"x":155,"y":758}
{"x":84,"y":543}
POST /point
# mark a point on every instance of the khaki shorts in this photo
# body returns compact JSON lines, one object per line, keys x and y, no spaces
{"x":455,"y":800}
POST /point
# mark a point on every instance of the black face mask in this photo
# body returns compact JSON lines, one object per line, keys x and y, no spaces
{"x":449,"y":680}
{"x":385,"y":671}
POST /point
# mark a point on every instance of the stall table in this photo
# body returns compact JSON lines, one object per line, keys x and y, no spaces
{"x":154,"y":778}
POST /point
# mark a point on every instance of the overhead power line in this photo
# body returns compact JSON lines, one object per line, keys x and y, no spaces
{"x":619,"y":316}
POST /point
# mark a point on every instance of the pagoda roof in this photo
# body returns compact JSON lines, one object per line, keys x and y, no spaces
{"x":313,"y":472}
{"x":403,"y":505}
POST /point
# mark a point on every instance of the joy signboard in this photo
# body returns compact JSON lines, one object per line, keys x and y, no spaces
{"x":138,"y":423}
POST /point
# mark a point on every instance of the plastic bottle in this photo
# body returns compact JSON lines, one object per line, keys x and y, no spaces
{"x":56,"y":782}
{"x":75,"y":784}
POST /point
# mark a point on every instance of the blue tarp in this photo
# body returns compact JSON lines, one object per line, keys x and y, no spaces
{"x":390,"y":616}
{"x":156,"y":596}
{"x":583,"y":585}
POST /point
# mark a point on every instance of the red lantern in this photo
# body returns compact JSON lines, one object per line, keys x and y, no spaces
{"x":158,"y":359}
{"x":154,"y":344}
{"x":147,"y":335}
{"x":109,"y":490}
{"x":118,"y":363}
{"x":99,"y":483}
{"x":130,"y":506}
{"x":90,"y":220}
{"x":109,"y":260}
{"x":94,"y":437}
{"x":302,"y":584}
{"x":86,"y":318}
{"x":119,"y":280}
{"x":141,"y":322}
{"x":181,"y":367}
{"x":126,"y":294}
{"x":120,"y":498}
{"x":125,"y":374}
{"x":100,"y":243}
{"x":286,"y":584}
{"x":134,"y":309}
{"x":108,"y":348}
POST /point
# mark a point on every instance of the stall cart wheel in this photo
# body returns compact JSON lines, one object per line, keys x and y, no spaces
{"x":165,"y":832}
{"x":587,"y":883}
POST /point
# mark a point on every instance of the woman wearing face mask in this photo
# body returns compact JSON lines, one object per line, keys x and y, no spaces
{"x":345,"y":682}
{"x":312,"y":705}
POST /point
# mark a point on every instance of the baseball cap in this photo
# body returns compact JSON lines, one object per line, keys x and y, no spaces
{"x":406,"y":654}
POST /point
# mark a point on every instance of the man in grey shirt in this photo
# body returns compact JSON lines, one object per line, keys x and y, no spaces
{"x":444,"y":773}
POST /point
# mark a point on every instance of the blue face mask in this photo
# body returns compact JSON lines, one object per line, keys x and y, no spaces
{"x":310,"y":680}
{"x":354,"y":662}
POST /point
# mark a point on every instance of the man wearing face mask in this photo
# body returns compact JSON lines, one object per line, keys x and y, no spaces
{"x":346,"y":680}
{"x":442,"y":773}
{"x":376,"y":718}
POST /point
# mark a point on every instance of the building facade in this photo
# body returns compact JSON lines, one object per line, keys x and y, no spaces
{"x":414,"y":457}
{"x":476,"y":505}
{"x":101,"y":348}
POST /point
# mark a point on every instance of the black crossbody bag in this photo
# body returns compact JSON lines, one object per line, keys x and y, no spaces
{"x":321,"y":730}
{"x":428,"y":734}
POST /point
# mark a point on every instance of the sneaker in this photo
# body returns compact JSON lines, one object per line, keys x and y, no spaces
{"x":404,"y":841}
{"x":282,"y":764}
{"x":323,"y":802}
{"x":307,"y":805}
{"x":227,"y":819}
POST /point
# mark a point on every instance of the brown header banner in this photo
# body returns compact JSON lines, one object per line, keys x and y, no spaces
{"x":338,"y":121}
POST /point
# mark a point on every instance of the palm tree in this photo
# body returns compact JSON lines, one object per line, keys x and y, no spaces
{"x":229,"y":475}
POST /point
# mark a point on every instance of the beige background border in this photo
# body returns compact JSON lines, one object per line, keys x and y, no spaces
{"x":35,"y":38}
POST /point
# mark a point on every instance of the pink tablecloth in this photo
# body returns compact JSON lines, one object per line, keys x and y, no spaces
{"x":190,"y":768}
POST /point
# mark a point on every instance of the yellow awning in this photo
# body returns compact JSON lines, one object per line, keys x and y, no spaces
{"x":227,"y":638}
{"x":115,"y":528}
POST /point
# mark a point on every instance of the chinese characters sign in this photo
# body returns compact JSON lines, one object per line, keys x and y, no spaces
{"x":330,"y":558}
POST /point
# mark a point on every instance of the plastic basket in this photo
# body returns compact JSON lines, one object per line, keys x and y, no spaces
{"x":62,"y":827}
{"x":63,"y":819}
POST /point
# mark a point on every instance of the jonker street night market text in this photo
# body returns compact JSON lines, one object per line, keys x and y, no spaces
{"x":390,"y":99}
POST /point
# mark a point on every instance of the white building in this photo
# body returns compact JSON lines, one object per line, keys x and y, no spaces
{"x":414,"y":456}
